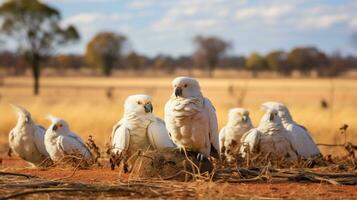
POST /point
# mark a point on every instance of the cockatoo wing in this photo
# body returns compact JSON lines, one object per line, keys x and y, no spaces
{"x":11,"y":137}
{"x":70,"y":145}
{"x":158,"y":136}
{"x":222,"y":138}
{"x":120,"y":138}
{"x":302,"y":141}
{"x":39,"y":139}
{"x":250,"y":138}
{"x":115,"y":127}
{"x":79,"y":140}
{"x":213,"y":128}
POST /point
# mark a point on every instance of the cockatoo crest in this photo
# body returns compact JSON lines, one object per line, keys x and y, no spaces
{"x":22,"y":113}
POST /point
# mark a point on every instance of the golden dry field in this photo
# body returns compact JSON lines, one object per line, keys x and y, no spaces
{"x":93,"y":105}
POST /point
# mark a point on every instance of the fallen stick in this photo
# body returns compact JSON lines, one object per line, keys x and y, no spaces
{"x":321,"y":179}
{"x":334,"y":175}
{"x":79,"y":187}
{"x":240,"y":180}
{"x":338,"y":145}
{"x":45,"y":184}
{"x":17,"y":174}
{"x":50,"y":190}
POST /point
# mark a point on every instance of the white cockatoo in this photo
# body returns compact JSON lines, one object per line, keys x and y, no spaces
{"x":229,"y":137}
{"x":139,"y":129}
{"x":270,"y":137}
{"x":26,"y":139}
{"x":60,"y":142}
{"x":191,"y":119}
{"x":298,"y":135}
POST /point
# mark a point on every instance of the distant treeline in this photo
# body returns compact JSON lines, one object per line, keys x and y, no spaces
{"x":305,"y":60}
{"x":37,"y":31}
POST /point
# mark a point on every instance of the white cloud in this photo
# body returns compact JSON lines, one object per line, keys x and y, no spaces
{"x":96,"y":18}
{"x":353,"y":23}
{"x":323,"y":21}
{"x":147,"y":4}
{"x":139,"y":4}
{"x":91,"y":23}
{"x":269,"y":12}
{"x":195,"y":15}
{"x":83,"y":18}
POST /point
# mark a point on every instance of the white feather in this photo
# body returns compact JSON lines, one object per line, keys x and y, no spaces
{"x":72,"y":145}
{"x":62,"y":141}
{"x":299,"y":137}
{"x":213,"y":125}
{"x":121,"y":139}
{"x":230,"y":135}
{"x":302,"y":141}
{"x":139,"y":129}
{"x":27,"y":139}
{"x":250,"y":140}
{"x":191,"y":119}
{"x":158,"y":135}
{"x":269,"y":137}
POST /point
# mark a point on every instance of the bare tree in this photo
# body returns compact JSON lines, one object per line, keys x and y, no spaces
{"x":209,"y":50}
{"x":36,"y":28}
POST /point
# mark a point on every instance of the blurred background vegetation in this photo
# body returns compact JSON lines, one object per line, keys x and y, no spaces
{"x":35,"y":28}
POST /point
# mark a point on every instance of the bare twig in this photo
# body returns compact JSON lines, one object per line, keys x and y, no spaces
{"x":331,"y":145}
{"x":16,"y":174}
{"x":50,"y":190}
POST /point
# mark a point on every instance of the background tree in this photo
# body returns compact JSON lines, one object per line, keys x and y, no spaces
{"x":67,"y":61}
{"x":36,"y":28}
{"x":105,"y":50}
{"x":278,"y":61}
{"x":209,"y":50}
{"x":164,"y":63}
{"x":255,"y":62}
{"x":135,"y":61}
{"x":306,"y":59}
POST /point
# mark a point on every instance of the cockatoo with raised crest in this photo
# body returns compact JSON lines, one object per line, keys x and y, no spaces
{"x":26,"y":139}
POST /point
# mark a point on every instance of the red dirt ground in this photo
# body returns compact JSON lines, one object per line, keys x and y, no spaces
{"x":207,"y":190}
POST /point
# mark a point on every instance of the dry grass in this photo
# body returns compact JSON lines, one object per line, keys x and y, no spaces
{"x":86,"y":105}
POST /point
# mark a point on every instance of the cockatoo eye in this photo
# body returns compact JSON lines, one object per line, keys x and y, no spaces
{"x":185,"y":85}
{"x":139,"y":103}
{"x":60,"y":125}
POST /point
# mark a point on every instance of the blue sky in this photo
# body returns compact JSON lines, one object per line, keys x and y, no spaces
{"x":167,"y":26}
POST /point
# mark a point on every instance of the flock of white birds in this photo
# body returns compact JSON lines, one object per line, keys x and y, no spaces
{"x":190,"y":124}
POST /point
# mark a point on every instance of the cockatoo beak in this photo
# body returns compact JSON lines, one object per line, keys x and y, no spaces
{"x":178,"y":92}
{"x":27,"y":119}
{"x":54,"y":128}
{"x":244,"y":118}
{"x":271,"y":118}
{"x":148,"y":108}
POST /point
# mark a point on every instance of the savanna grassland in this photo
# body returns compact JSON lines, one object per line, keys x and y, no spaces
{"x":93,"y":105}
